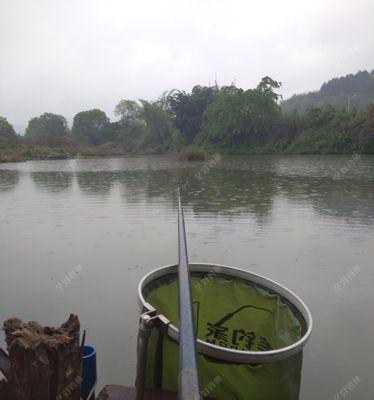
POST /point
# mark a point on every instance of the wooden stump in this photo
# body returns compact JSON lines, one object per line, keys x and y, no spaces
{"x":45,"y":363}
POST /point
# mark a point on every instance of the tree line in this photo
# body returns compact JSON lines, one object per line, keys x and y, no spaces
{"x":227,"y":119}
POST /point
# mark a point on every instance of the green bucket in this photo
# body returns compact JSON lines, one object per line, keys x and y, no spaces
{"x":250,"y":330}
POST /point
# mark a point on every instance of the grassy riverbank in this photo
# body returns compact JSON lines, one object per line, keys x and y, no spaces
{"x":318,"y":144}
{"x":33,"y":152}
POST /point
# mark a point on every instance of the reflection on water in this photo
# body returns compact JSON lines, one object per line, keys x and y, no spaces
{"x":55,"y":181}
{"x":8,"y":179}
{"x":237,"y":185}
{"x":95,"y":182}
{"x":282,"y":216}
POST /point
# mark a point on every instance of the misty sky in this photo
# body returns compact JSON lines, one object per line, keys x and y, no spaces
{"x":65,"y":56}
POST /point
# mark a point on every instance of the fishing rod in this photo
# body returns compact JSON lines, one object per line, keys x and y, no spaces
{"x":189,"y":382}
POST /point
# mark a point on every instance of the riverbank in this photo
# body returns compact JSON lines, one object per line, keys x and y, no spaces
{"x":27,"y":153}
{"x":304,"y":144}
{"x":32,"y":152}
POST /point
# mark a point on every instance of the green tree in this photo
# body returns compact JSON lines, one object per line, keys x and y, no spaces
{"x":8,"y":135}
{"x":128,"y":110}
{"x":47,"y":125}
{"x":267,"y":87}
{"x":187,"y":109}
{"x":145,"y":125}
{"x":240,"y":117}
{"x":158,"y":125}
{"x":131,"y":123}
{"x":90,"y":127}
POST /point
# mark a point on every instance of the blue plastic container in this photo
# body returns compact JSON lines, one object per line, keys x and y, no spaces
{"x":89,"y":372}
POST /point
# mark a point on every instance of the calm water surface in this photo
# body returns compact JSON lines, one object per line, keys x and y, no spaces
{"x":113,"y":220}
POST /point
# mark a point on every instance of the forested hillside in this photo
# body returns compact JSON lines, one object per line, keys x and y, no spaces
{"x":348,"y":92}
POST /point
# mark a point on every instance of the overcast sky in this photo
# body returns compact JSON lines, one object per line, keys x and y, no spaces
{"x":65,"y":56}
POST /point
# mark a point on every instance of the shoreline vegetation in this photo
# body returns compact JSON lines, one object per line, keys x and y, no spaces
{"x":192,"y":125}
{"x":45,"y":152}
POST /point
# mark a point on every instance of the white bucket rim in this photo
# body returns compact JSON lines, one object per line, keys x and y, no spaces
{"x":223,"y":353}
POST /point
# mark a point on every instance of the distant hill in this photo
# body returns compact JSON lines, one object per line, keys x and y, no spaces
{"x":336,"y":92}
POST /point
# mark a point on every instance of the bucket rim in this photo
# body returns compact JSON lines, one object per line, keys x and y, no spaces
{"x":223,"y":353}
{"x":88,"y":352}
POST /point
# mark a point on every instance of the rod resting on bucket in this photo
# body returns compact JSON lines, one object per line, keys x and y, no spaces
{"x":189,"y":384}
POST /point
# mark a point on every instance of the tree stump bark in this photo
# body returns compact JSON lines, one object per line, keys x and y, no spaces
{"x":45,"y":363}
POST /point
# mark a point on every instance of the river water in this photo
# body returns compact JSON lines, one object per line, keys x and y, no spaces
{"x":78,"y":235}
